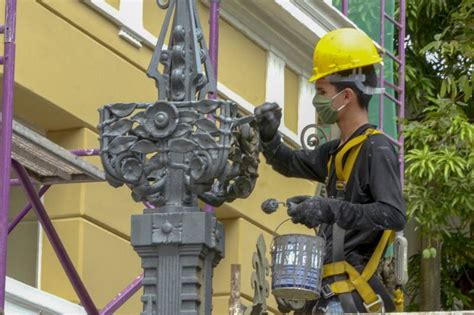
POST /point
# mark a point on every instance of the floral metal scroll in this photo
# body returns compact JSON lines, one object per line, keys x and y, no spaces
{"x":215,"y":150}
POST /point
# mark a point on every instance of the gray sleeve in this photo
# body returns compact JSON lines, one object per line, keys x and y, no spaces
{"x":296,"y":163}
{"x":388,"y":209}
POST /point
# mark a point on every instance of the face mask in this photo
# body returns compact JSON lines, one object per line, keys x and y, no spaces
{"x":326,"y":113}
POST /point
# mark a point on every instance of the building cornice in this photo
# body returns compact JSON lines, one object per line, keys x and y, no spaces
{"x":288,"y":28}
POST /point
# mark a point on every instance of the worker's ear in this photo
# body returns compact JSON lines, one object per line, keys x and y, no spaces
{"x":350,"y":96}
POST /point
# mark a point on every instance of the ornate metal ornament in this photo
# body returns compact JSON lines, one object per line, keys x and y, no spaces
{"x":145,"y":146}
{"x":169,"y":153}
{"x":309,"y":141}
{"x":187,"y":72}
{"x":259,"y":281}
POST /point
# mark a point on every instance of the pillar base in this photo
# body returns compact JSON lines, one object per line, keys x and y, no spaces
{"x":178,"y":266}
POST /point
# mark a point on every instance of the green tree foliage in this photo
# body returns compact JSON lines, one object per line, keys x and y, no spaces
{"x":439,"y":53}
{"x":439,"y":142}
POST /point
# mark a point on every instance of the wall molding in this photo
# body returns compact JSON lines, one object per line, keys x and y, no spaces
{"x":24,"y":299}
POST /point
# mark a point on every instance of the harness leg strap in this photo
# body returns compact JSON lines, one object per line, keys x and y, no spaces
{"x":346,"y":299}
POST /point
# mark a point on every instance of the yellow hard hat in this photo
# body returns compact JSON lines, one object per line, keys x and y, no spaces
{"x":343,"y":49}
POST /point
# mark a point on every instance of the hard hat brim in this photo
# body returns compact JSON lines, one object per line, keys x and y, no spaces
{"x":318,"y":76}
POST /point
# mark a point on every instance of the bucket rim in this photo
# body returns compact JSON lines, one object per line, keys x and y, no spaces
{"x":297,"y":234}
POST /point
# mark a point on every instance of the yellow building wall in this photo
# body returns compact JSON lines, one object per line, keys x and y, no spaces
{"x":114,"y":3}
{"x":152,"y":18}
{"x":70,"y":61}
{"x":22,"y":241}
{"x":291,"y":100}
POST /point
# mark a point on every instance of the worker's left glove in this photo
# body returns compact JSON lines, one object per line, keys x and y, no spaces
{"x":312,"y":211}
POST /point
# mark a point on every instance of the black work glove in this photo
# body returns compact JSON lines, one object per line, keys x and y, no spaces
{"x":312,"y":211}
{"x":268,"y":117}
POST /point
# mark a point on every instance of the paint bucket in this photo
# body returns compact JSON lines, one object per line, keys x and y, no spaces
{"x":297,"y":266}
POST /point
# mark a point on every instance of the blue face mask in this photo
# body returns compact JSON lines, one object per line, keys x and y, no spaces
{"x":327,"y":115}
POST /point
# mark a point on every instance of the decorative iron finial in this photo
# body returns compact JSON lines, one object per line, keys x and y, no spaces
{"x":187,"y":73}
{"x":183,"y":145}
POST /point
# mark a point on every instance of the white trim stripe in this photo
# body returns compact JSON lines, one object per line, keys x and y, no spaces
{"x":23,"y":299}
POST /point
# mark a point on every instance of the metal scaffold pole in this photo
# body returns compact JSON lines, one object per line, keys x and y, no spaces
{"x":399,"y":87}
{"x":213,"y":53}
{"x":6,"y":136}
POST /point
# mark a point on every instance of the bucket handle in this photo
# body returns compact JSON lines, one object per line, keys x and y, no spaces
{"x":283,"y":222}
{"x":286,"y":220}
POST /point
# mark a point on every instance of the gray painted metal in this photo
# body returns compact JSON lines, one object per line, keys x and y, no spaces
{"x":178,"y":253}
{"x":169,"y":153}
{"x":259,"y":281}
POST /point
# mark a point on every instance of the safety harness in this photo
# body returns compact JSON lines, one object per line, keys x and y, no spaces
{"x":347,"y":278}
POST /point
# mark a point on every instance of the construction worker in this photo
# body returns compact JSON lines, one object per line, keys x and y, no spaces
{"x":360,"y":170}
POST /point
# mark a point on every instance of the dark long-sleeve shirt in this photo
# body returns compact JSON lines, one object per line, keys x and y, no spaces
{"x":373,"y":199}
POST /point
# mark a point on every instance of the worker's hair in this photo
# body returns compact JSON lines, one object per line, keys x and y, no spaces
{"x":370,"y":80}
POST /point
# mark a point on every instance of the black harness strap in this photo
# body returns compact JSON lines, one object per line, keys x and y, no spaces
{"x":346,"y":299}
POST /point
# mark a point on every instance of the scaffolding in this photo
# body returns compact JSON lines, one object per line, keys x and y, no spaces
{"x":37,"y":160}
{"x":394,"y":92}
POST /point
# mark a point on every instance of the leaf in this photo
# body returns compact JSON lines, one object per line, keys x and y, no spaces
{"x":208,"y":126}
{"x":122,"y":109}
{"x":144,"y":146}
{"x":206,"y":106}
{"x":181,"y":130}
{"x":187,"y":116}
{"x":139,"y":118}
{"x":181,"y":145}
{"x":121,"y":144}
{"x":140,"y":131}
{"x":118,"y":128}
{"x":205,"y":141}
{"x":442,"y":92}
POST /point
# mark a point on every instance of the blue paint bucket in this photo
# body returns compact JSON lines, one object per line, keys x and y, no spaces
{"x":297,"y":265}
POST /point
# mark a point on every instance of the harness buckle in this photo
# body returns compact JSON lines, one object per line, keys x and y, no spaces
{"x":340,"y":189}
{"x":340,"y":185}
{"x":327,"y":291}
{"x":369,"y":307}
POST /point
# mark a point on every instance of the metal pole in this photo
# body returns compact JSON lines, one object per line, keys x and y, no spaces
{"x":345,"y":7}
{"x":213,"y":53}
{"x":16,"y":182}
{"x":382,"y":73}
{"x":25,"y":210}
{"x":214,"y":36}
{"x":55,"y":241}
{"x":235,"y":306}
{"x":6,"y":139}
{"x":401,"y":83}
{"x":123,"y":296}
{"x":85,"y":152}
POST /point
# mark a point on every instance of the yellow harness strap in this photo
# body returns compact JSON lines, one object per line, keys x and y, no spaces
{"x":343,"y":172}
{"x":399,"y":300}
{"x":356,"y":280}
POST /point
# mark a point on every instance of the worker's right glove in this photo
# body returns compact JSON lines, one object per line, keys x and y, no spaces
{"x":268,"y":117}
{"x":312,"y":211}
